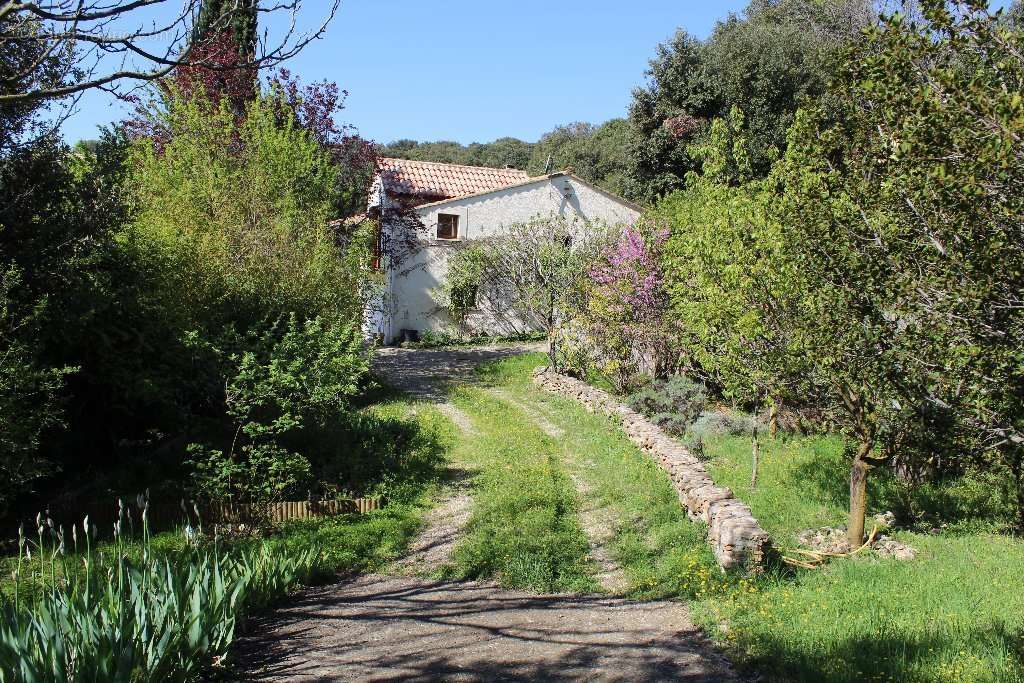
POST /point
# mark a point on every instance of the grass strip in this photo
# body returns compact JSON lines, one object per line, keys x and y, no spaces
{"x":523,"y":531}
{"x":663,"y":553}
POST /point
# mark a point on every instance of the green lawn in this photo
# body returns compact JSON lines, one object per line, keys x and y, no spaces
{"x":956,"y":613}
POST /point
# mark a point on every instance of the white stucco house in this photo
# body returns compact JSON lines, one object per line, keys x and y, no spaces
{"x":456,"y":203}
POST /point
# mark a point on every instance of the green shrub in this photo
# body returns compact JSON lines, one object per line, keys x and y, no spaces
{"x":29,"y":393}
{"x":234,"y":216}
{"x":671,"y":404}
{"x":290,"y":381}
{"x":723,"y":422}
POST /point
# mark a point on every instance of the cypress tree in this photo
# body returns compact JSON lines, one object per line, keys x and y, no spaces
{"x":238,"y":17}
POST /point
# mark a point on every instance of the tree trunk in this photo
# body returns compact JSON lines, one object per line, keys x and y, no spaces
{"x":1016,"y":464}
{"x":755,"y":459}
{"x":773,"y":419}
{"x":858,"y":497}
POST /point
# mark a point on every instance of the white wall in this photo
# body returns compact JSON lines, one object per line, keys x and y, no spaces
{"x":412,"y":286}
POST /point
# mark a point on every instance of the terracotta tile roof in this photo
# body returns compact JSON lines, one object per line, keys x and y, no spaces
{"x":429,"y":180}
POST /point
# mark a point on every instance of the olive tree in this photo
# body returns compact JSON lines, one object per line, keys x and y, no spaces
{"x":904,"y":215}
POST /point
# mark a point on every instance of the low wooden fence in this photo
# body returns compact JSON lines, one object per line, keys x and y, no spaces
{"x":164,"y":516}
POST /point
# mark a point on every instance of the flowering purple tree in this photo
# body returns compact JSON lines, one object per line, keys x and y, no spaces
{"x":628,"y":305}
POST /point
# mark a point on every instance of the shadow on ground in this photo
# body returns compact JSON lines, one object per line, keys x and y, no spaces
{"x":386,"y":628}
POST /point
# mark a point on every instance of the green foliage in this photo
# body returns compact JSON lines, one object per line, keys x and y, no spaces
{"x":291,"y":378}
{"x":235,"y":17}
{"x":913,"y":245}
{"x":440,"y":340}
{"x":29,"y":62}
{"x":147,"y":265}
{"x":154,"y":618}
{"x":29,"y":393}
{"x":764,"y":63}
{"x":735,"y":292}
{"x":236,"y":215}
{"x":231,"y":223}
{"x":723,"y":422}
{"x":296,"y":374}
{"x":672,"y":404}
{"x":874,"y":272}
{"x":257,"y":474}
{"x":62,"y":283}
{"x":596,"y":153}
{"x":502,"y":152}
{"x":459,"y":292}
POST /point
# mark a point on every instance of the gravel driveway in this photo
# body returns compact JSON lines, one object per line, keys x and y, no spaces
{"x":428,"y":374}
{"x":376,"y":628}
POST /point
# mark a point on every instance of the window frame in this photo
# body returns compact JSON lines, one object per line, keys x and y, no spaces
{"x":453,"y":224}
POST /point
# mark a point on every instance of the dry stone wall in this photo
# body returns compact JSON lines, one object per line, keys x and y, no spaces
{"x":736,"y":537}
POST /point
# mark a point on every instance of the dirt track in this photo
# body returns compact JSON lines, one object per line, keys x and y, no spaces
{"x":377,"y":628}
{"x":383,"y":628}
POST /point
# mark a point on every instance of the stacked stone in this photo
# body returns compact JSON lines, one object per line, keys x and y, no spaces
{"x":736,"y":537}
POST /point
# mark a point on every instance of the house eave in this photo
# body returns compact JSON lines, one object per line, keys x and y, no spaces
{"x":533,"y":181}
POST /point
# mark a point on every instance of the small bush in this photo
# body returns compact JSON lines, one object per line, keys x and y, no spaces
{"x":673,"y":405}
{"x":293,"y":379}
{"x":723,"y":423}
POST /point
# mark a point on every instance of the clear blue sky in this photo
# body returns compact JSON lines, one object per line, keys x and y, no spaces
{"x":477,"y":70}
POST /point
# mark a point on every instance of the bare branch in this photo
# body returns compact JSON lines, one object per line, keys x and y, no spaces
{"x":89,"y":27}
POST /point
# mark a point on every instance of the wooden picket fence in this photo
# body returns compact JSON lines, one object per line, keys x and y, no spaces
{"x":164,"y":516}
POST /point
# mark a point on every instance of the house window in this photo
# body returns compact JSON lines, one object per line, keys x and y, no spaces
{"x":378,"y":249}
{"x":447,"y":226}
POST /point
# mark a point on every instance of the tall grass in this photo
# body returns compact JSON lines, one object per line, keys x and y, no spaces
{"x":132,"y":615}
